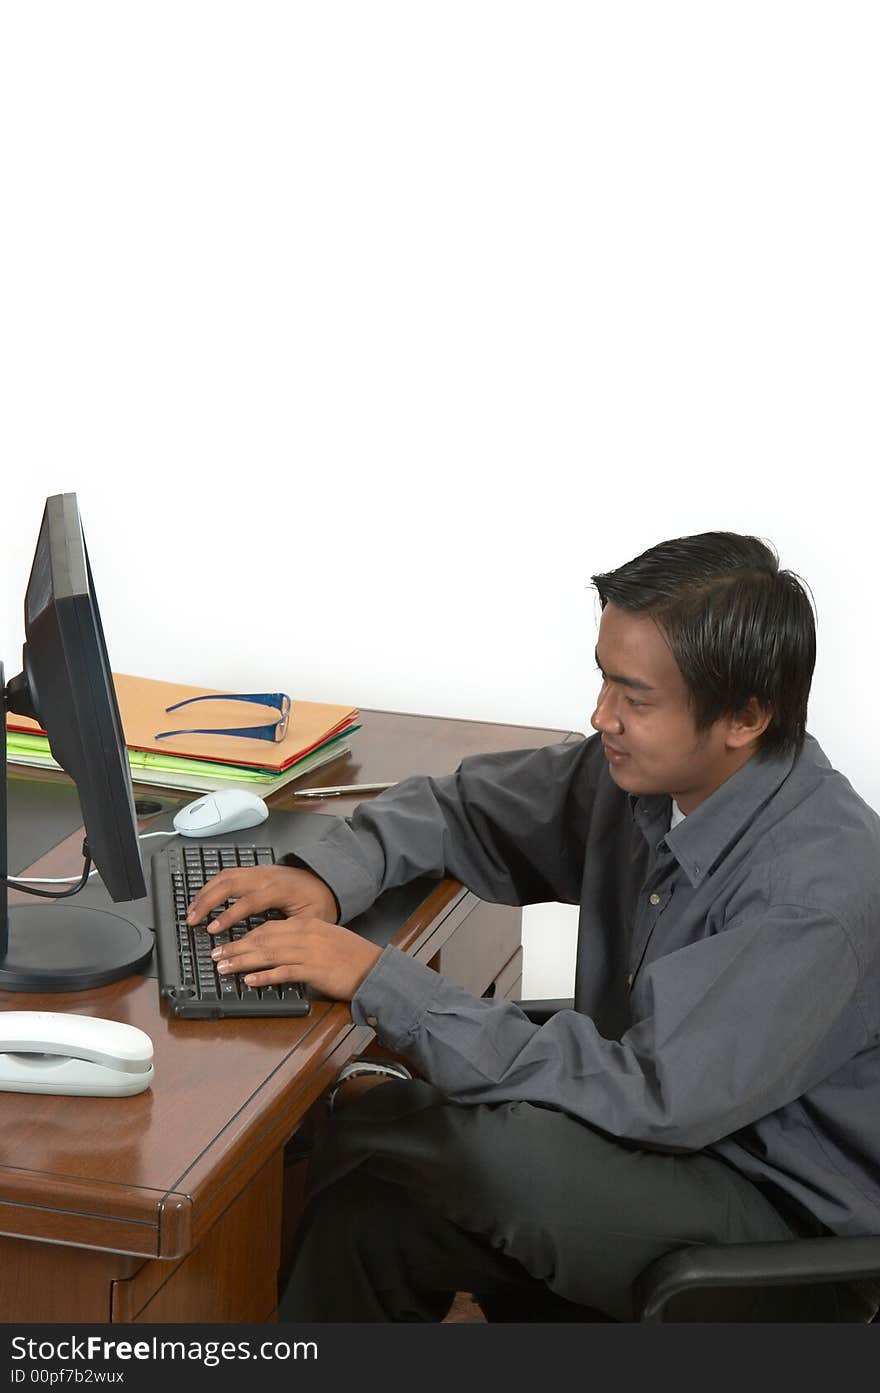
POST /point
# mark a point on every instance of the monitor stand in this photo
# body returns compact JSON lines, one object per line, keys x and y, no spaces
{"x":58,"y":946}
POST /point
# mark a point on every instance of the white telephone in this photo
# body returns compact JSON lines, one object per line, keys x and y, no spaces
{"x":57,"y":1052}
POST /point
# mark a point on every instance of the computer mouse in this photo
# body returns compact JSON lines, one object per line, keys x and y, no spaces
{"x":225,"y":810}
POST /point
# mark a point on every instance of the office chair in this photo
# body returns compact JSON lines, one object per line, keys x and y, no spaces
{"x":795,"y":1262}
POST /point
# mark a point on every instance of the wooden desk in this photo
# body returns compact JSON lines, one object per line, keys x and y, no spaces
{"x":167,"y":1206}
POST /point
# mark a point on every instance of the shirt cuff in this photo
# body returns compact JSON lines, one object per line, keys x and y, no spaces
{"x":395,"y":996}
{"x":352,"y":886}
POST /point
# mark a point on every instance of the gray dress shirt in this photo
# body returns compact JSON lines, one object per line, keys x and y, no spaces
{"x":727,"y":991}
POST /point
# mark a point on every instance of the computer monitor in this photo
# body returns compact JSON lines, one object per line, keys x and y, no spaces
{"x":67,"y":686}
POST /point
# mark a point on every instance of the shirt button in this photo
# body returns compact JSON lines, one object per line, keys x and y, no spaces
{"x":654,"y":899}
{"x":372,"y":1022}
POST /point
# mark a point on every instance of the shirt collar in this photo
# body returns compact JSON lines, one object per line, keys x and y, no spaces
{"x":700,"y":841}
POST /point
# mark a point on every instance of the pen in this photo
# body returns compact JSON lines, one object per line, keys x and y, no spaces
{"x":339,"y":789}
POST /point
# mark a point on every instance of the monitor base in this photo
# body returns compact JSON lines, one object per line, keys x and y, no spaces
{"x":68,"y":948}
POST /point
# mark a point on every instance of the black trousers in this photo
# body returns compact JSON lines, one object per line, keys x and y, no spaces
{"x":412,"y":1198}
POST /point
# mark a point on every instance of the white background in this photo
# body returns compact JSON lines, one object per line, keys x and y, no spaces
{"x":366,"y":332}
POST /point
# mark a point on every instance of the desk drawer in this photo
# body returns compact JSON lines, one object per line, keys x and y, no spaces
{"x":508,"y":983}
{"x":481,"y":947}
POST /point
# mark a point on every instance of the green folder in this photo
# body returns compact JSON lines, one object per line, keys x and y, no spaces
{"x":34,"y":749}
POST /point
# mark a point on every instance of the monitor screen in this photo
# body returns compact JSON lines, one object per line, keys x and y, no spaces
{"x":67,"y":686}
{"x":71,"y":686}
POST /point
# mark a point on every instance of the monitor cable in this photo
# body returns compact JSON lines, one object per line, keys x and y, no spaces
{"x":28,"y":887}
{"x":15,"y":884}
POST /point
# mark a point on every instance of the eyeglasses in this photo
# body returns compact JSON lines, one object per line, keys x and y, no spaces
{"x":275,"y":730}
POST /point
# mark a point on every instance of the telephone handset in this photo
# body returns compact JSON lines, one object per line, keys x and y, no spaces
{"x":59,"y":1052}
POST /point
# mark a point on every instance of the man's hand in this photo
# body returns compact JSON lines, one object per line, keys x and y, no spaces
{"x":327,"y":957}
{"x":257,"y":889}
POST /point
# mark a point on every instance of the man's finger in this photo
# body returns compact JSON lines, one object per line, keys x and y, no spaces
{"x":251,"y":902}
{"x":239,"y":959}
{"x":229,"y":919}
{"x":274,"y":976}
{"x":215,"y":892}
{"x":255,"y":948}
{"x":234,"y":960}
{"x":253,"y":962}
{"x":228,"y":885}
{"x":200,"y":909}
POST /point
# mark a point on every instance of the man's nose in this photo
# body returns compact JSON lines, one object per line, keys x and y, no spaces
{"x":605,"y":718}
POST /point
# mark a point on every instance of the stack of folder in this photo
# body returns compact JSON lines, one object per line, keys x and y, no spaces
{"x":317,"y":733}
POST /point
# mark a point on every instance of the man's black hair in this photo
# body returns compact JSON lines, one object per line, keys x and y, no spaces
{"x":737,"y":626}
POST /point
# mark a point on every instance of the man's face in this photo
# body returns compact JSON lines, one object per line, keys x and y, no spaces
{"x":646,"y":721}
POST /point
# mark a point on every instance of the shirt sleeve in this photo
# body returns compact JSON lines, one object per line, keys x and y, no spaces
{"x":730,"y":1029}
{"x":511,"y":827}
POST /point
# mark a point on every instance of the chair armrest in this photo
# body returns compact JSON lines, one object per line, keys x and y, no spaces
{"x":788,"y":1262}
{"x":541,"y":1011}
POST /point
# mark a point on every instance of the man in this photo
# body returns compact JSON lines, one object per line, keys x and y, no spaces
{"x":719,"y":1078}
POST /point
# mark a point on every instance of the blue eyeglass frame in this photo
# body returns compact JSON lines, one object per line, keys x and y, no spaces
{"x":276,"y":730}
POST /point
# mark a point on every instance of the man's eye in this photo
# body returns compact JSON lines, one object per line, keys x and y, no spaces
{"x":631,"y":701}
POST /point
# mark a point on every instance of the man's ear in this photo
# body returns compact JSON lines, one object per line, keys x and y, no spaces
{"x":748,"y":725}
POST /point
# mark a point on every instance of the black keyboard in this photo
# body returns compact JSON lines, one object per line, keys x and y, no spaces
{"x":187,"y":975}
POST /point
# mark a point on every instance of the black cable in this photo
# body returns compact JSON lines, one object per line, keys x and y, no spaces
{"x":14,"y":884}
{"x":50,"y":894}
